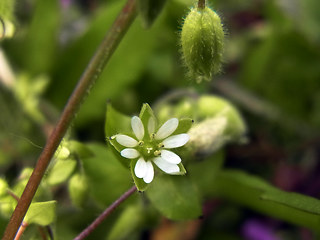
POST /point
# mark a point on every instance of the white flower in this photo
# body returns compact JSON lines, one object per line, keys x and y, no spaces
{"x":152,"y":147}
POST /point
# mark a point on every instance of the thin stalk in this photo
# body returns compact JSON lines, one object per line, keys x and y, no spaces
{"x":21,"y":230}
{"x":105,"y":214}
{"x":91,"y":73}
{"x":201,"y":4}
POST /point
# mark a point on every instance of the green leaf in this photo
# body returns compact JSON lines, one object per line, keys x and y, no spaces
{"x":61,"y":171}
{"x":107,"y":178}
{"x":80,"y":149}
{"x":7,"y":205}
{"x":294,"y":200}
{"x":204,"y":173}
{"x":41,"y":213}
{"x":7,"y":9}
{"x":140,"y":184}
{"x":126,"y":225}
{"x":175,"y":197}
{"x":149,"y":10}
{"x":3,"y":187}
{"x":41,"y":45}
{"x":257,"y":194}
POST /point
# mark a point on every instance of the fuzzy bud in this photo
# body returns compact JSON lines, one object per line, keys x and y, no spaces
{"x":202,"y":40}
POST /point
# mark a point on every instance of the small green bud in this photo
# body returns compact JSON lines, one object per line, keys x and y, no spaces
{"x":78,"y":189}
{"x":211,"y":106}
{"x":207,"y":136}
{"x":202,"y":40}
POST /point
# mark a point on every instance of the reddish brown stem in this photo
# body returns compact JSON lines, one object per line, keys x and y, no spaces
{"x":21,"y":230}
{"x":92,"y":72}
{"x":105,"y":214}
{"x":201,"y":4}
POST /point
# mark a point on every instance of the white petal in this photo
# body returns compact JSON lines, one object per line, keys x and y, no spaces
{"x":137,"y":127}
{"x":166,"y":166}
{"x":176,"y":140}
{"x":170,"y":157}
{"x":141,"y":168}
{"x":151,"y":125}
{"x":126,"y":141}
{"x":150,"y":173}
{"x":129,"y":153}
{"x":167,"y":128}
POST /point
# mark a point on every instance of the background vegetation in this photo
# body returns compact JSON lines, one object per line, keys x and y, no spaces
{"x":270,"y":73}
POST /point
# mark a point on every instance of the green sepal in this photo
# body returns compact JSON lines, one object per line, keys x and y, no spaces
{"x":145,"y":114}
{"x":175,"y":197}
{"x":149,"y":10}
{"x":184,"y":125}
{"x":140,"y":184}
{"x":182,"y":169}
{"x":116,"y":122}
{"x":41,"y":213}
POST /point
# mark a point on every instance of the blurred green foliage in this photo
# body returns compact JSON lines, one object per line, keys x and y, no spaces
{"x":272,"y":55}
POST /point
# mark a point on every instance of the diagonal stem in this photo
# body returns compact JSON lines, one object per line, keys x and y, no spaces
{"x":91,"y":73}
{"x":105,"y":214}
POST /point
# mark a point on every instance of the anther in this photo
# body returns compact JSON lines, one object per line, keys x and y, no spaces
{"x":157,"y":153}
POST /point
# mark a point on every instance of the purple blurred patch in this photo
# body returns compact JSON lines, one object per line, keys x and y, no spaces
{"x":258,"y":230}
{"x":65,"y":3}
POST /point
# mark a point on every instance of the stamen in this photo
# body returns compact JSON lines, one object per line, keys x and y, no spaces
{"x":160,"y":145}
{"x":157,"y":153}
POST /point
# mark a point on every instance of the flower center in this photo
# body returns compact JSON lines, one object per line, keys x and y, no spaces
{"x":149,"y":150}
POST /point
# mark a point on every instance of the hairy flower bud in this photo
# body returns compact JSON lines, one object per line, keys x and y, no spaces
{"x":202,"y":40}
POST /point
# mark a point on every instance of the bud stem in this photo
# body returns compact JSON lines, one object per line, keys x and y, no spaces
{"x":201,"y":4}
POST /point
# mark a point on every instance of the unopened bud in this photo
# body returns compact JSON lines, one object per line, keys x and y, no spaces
{"x":202,"y":40}
{"x":207,"y":136}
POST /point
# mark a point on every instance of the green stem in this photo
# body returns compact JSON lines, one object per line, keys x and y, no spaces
{"x":92,"y":72}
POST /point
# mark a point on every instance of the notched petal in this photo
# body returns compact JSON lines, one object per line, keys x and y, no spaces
{"x":167,"y":128}
{"x":140,"y":169}
{"x":165,"y":166}
{"x":137,"y":127}
{"x":176,"y":141}
{"x":126,"y":141}
{"x":170,"y":157}
{"x":130,"y":153}
{"x":149,"y":174}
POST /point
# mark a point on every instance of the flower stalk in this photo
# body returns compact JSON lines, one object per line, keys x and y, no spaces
{"x":92,"y":72}
{"x":105,"y":214}
{"x":201,"y":4}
